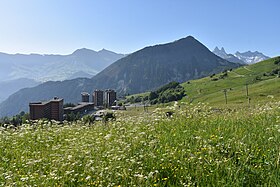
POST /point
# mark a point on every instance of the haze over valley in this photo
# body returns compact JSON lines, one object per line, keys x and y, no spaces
{"x":42,"y":68}
{"x":20,"y":71}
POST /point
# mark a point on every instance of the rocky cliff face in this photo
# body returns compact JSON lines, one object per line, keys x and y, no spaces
{"x":251,"y":57}
{"x":242,"y":58}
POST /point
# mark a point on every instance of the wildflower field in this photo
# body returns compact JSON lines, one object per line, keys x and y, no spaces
{"x":195,"y":146}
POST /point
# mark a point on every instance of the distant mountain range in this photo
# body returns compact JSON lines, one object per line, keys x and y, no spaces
{"x":251,"y":57}
{"x":143,"y":70}
{"x":42,"y":68}
{"x":242,"y":58}
{"x":9,"y":87}
{"x":229,"y":57}
{"x":21,"y":71}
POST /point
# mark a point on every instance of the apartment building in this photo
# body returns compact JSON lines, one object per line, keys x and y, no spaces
{"x":52,"y":109}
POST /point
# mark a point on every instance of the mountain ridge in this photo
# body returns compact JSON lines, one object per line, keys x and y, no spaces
{"x":46,"y":67}
{"x":247,"y":57}
{"x":164,"y":49}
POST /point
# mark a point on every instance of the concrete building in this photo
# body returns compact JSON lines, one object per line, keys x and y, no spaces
{"x":110,"y":97}
{"x":52,"y":109}
{"x":85,"y":97}
{"x":98,"y":97}
{"x":81,"y":108}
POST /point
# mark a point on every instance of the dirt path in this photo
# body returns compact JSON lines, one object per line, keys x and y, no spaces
{"x":237,"y":74}
{"x":247,"y":69}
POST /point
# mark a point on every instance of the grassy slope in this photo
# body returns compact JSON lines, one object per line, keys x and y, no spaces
{"x":260,"y":91}
{"x":195,"y":147}
{"x":137,"y":95}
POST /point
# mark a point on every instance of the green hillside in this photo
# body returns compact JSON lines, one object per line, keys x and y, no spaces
{"x":262,"y":79}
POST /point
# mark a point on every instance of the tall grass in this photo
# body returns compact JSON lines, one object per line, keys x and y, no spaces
{"x":197,"y":146}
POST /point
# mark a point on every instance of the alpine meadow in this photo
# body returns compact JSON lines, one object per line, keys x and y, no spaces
{"x":196,"y":146}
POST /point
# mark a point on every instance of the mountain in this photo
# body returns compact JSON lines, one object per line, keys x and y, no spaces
{"x":143,"y":70}
{"x":154,"y":66}
{"x":9,"y":87}
{"x":229,"y":57}
{"x":251,"y":57}
{"x":221,"y":53}
{"x":55,"y":67}
{"x":242,"y":58}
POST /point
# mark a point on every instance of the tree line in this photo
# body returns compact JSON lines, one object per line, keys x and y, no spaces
{"x":172,"y":91}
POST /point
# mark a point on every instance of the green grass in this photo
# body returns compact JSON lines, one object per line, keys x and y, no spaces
{"x":138,"y":95}
{"x":260,"y":91}
{"x":197,"y":146}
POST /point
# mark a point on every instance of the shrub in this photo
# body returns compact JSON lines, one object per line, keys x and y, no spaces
{"x":277,"y":61}
{"x":211,"y":76}
{"x":223,"y":75}
{"x":214,"y":79}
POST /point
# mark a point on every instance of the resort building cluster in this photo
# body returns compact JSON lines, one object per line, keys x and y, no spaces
{"x":53,"y":109}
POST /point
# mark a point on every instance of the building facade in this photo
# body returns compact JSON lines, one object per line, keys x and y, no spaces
{"x":110,"y":97}
{"x":85,"y":97}
{"x":52,"y":110}
{"x":98,"y":97}
{"x":81,"y":108}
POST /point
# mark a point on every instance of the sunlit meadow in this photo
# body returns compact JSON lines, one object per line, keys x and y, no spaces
{"x":196,"y":146}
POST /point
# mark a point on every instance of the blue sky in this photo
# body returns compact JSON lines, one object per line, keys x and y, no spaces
{"x":124,"y":26}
